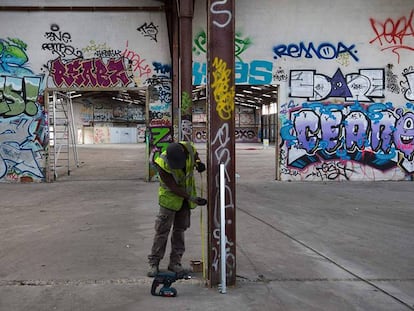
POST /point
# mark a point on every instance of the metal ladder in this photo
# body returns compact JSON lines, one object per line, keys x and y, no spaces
{"x":62,"y":139}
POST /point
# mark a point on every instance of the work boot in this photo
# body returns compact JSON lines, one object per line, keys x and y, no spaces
{"x":153,"y":270}
{"x":178,"y":268}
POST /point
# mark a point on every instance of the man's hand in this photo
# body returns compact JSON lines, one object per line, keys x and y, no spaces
{"x":199,"y":201}
{"x":200,"y":166}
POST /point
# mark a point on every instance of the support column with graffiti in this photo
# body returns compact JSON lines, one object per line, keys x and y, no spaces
{"x":159,"y":122}
{"x":221,"y":141}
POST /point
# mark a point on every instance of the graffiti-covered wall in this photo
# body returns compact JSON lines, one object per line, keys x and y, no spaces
{"x":67,"y":50}
{"x":345,"y":71}
{"x":350,"y":102}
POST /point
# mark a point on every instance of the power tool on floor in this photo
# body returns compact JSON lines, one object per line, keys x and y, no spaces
{"x":166,"y":279}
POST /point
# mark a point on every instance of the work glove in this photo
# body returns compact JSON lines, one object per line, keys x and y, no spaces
{"x":200,"y":167}
{"x":199,"y":201}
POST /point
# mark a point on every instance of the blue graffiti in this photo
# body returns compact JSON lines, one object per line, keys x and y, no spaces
{"x":255,"y":72}
{"x":19,"y":159}
{"x":164,"y":69}
{"x":374,"y":135}
{"x":23,"y":125}
{"x":323,"y":51}
{"x":13,"y":57}
{"x":20,"y":145}
{"x":285,"y":133}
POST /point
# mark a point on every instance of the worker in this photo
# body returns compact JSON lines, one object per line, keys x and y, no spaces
{"x":176,"y":197}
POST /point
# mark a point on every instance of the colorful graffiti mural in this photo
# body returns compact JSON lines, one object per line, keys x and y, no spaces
{"x":352,"y":97}
{"x":255,"y":72}
{"x":159,"y":123}
{"x":375,"y":135}
{"x":13,"y":58}
{"x":23,"y":120}
{"x":23,"y":128}
{"x":321,"y":139}
{"x":362,"y":86}
{"x":89,"y":73}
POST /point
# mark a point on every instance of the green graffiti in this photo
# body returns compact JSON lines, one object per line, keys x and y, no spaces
{"x":31,"y":91}
{"x":159,"y":140}
{"x":18,"y":43}
{"x":200,"y":43}
{"x":19,"y":96}
{"x":185,"y":103}
{"x":3,"y":105}
{"x":13,"y":57}
{"x":17,"y":104}
{"x":241,"y":44}
{"x":157,"y":134}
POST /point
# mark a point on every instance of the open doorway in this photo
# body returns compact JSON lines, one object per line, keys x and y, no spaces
{"x":109,"y":117}
{"x":256,"y":118}
{"x":255,"y":113}
{"x":96,"y":130}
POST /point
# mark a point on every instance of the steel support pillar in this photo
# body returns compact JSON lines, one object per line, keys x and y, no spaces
{"x":186,"y":12}
{"x":221,"y":139}
{"x":174,"y":37}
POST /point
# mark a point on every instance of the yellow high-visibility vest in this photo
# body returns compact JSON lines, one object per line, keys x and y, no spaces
{"x":166,"y":198}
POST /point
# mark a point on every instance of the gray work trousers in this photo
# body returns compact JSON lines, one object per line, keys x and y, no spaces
{"x":179,"y":221}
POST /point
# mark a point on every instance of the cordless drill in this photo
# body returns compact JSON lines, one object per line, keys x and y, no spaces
{"x":166,"y":279}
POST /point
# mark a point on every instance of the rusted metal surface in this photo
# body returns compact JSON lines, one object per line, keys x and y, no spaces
{"x":174,"y":36}
{"x":54,"y":8}
{"x":221,"y":140}
{"x":186,"y":64}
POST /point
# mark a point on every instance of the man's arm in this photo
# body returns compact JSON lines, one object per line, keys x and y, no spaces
{"x":169,"y":181}
{"x":200,"y":166}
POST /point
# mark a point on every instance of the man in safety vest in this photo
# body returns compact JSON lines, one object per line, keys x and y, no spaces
{"x":176,"y":196}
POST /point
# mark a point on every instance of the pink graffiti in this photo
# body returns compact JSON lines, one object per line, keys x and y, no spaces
{"x":392,"y":35}
{"x":160,"y":122}
{"x":137,"y":63}
{"x":89,"y":73}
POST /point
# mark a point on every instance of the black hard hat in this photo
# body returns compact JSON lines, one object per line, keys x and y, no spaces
{"x":176,"y":156}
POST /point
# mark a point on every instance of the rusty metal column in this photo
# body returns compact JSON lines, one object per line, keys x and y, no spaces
{"x":186,"y":12}
{"x":174,"y":35}
{"x":221,"y":139}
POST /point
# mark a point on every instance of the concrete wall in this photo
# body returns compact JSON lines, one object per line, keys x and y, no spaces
{"x":346,"y":76}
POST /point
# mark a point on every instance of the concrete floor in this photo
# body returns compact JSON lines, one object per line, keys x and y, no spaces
{"x":81,"y":243}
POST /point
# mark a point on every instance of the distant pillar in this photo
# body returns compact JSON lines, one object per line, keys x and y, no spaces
{"x":174,"y":36}
{"x":186,"y":12}
{"x":159,"y":123}
{"x":221,"y":138}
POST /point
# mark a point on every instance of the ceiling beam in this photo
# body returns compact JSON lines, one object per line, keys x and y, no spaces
{"x":33,"y":8}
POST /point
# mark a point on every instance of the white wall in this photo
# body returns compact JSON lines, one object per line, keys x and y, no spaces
{"x":87,"y":33}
